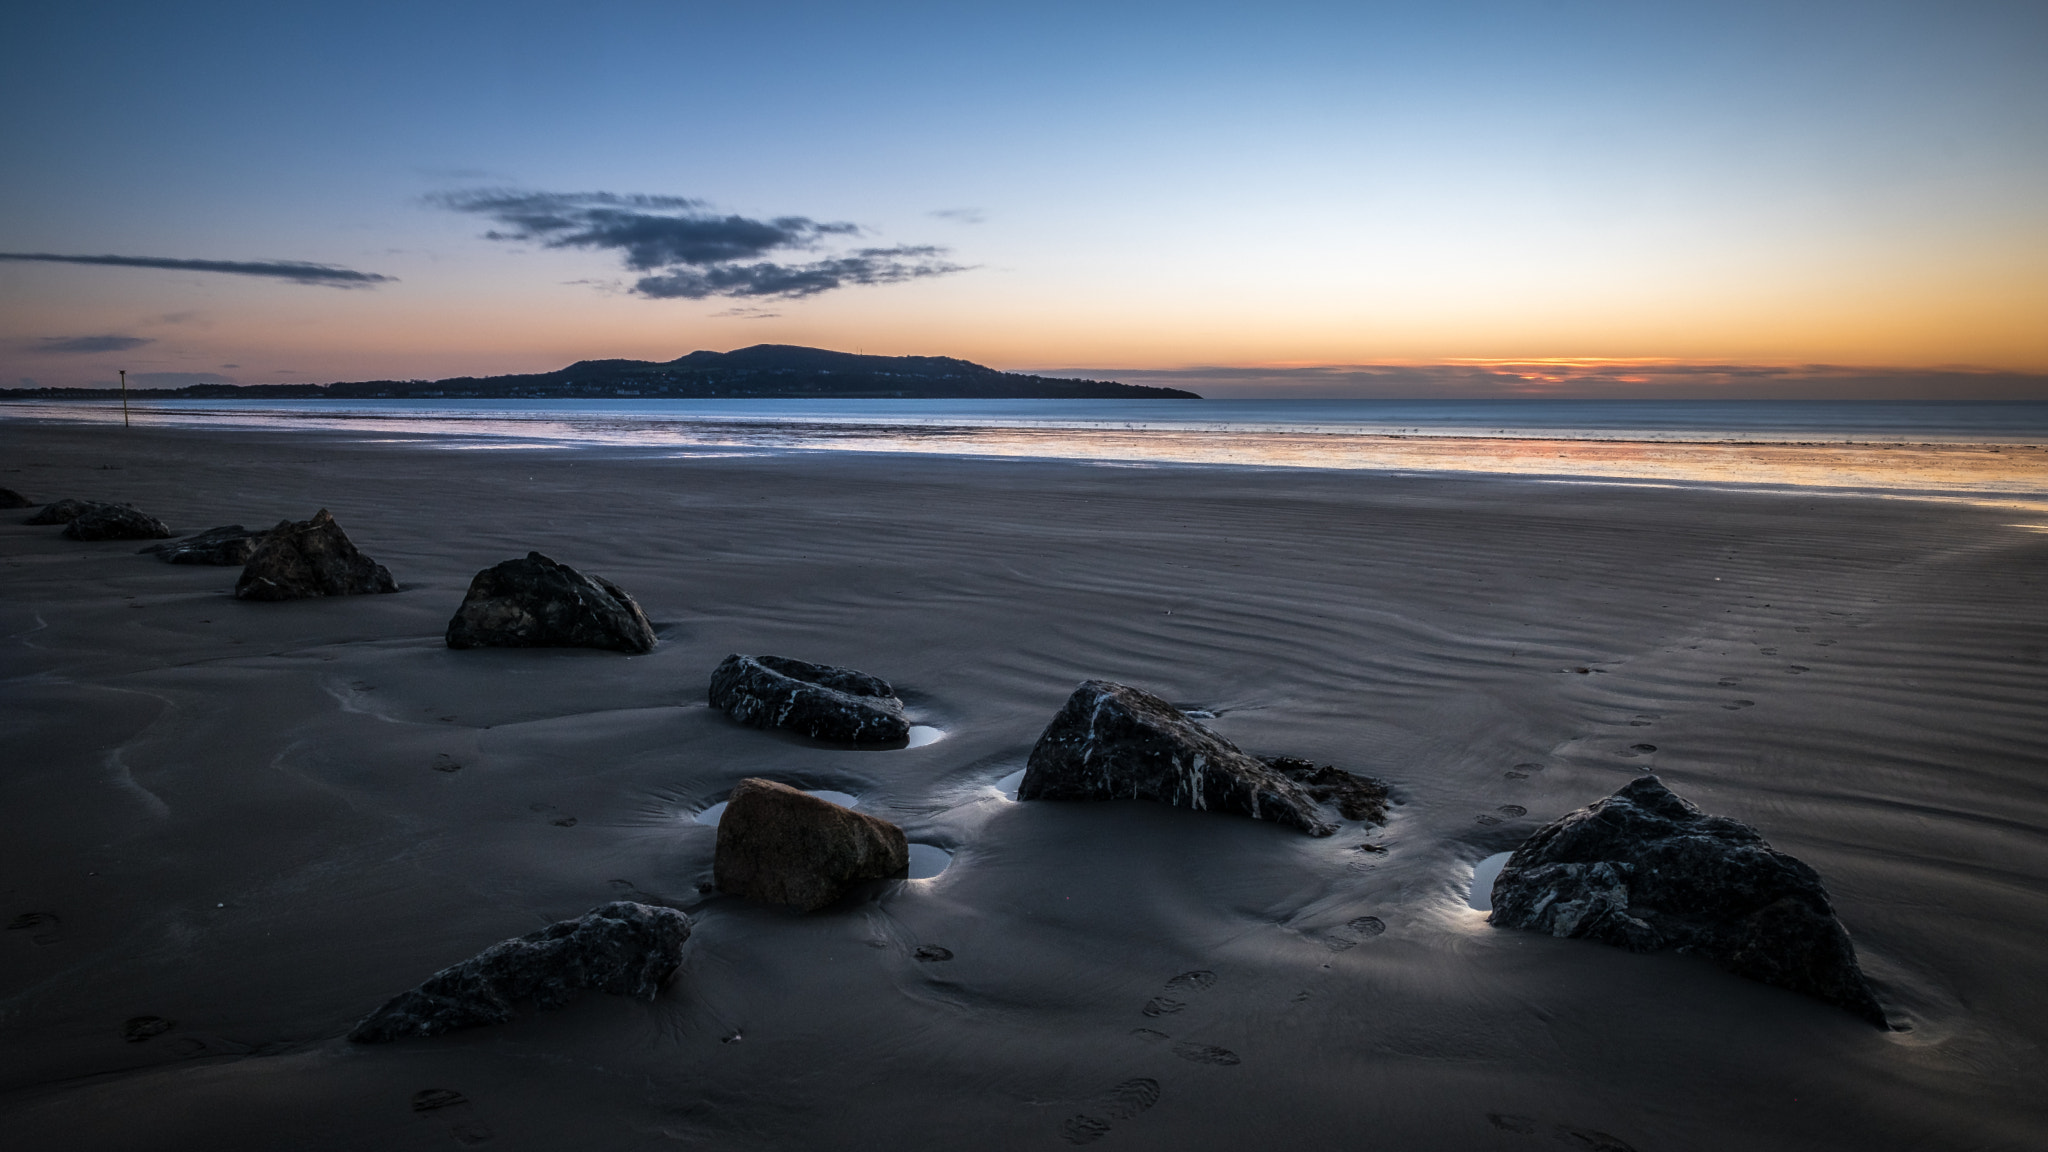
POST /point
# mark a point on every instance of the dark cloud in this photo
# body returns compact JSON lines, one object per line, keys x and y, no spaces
{"x":691,"y":252}
{"x":300,"y":271}
{"x":87,"y":345}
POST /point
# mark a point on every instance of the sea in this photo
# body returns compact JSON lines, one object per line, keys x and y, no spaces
{"x":1995,"y":452}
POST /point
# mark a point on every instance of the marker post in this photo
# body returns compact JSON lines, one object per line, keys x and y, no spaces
{"x":124,"y":398}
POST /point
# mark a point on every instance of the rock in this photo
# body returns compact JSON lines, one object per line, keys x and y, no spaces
{"x":9,"y":498}
{"x":1112,"y":742}
{"x":623,"y":948}
{"x":114,"y":522}
{"x":782,"y":846}
{"x":60,"y":511}
{"x":818,"y":700}
{"x":539,"y":603}
{"x":232,"y":544}
{"x":304,"y":558}
{"x":1645,"y":870}
{"x":1357,"y":797}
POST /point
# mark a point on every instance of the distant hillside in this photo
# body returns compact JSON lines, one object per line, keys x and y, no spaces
{"x":764,"y":370}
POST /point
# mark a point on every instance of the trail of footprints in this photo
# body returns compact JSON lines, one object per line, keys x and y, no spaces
{"x":1126,"y":1100}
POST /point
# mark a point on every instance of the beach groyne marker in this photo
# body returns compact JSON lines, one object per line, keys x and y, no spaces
{"x":124,"y":398}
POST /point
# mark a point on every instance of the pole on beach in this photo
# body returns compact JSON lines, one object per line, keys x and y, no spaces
{"x":124,"y":398}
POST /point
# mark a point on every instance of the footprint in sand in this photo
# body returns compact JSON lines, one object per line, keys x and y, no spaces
{"x":446,"y":1106}
{"x":139,"y":1028}
{"x":42,"y":927}
{"x":1486,"y":821}
{"x":1358,"y":930}
{"x":1206,"y":1054}
{"x":1514,"y":810}
{"x":1521,"y":771}
{"x":1729,"y":681}
{"x":1584,"y":1138}
{"x":1120,"y":1103}
{"x":932,"y":953}
{"x":1739,"y":705}
{"x":443,"y":762}
{"x":1795,"y":669}
{"x":1768,"y":651}
{"x":1635,"y":750}
{"x":1199,"y":980}
{"x":564,"y":822}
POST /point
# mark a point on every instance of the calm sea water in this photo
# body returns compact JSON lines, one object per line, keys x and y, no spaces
{"x":1965,"y":450}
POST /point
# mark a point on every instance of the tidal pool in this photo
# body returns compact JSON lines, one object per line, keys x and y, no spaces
{"x":1483,"y":875}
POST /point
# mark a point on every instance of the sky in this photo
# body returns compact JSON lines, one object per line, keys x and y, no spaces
{"x":1532,"y":198}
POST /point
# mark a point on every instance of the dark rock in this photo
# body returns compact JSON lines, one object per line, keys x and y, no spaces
{"x":783,"y":846}
{"x":1112,"y":742}
{"x":623,"y":948}
{"x":1645,"y":870}
{"x":539,"y":603}
{"x":9,"y":498}
{"x":1357,"y":797}
{"x":304,"y":558}
{"x":231,"y":545}
{"x":140,"y":1028}
{"x":818,"y":700}
{"x":61,"y":511}
{"x":114,"y":522}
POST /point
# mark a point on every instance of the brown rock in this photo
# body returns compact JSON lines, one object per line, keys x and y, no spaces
{"x":779,"y":845}
{"x":306,"y":558}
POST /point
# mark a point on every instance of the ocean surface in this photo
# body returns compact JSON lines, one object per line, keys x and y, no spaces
{"x":1957,"y":450}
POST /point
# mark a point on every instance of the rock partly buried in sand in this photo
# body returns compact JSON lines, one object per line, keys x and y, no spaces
{"x":228,"y":545}
{"x":1112,"y":742}
{"x":9,"y":498}
{"x":779,"y":845}
{"x":539,"y":603}
{"x":114,"y":522}
{"x":818,"y":700}
{"x":1645,"y":870}
{"x":299,"y":559}
{"x":623,"y":948}
{"x":1357,"y":797}
{"x":60,"y":511}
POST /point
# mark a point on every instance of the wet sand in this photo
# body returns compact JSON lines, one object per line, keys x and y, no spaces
{"x":260,"y":820}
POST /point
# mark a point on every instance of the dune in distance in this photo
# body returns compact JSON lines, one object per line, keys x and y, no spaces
{"x":238,"y":827}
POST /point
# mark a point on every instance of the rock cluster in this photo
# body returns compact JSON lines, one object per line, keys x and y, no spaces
{"x":818,"y":700}
{"x":229,"y":545}
{"x":305,"y":558}
{"x":537,"y":602}
{"x":623,"y":948}
{"x":1646,"y":870}
{"x":779,"y":845}
{"x":114,"y":522}
{"x":1113,"y":742}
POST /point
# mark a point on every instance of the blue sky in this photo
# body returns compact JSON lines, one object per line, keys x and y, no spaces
{"x":1147,"y":187}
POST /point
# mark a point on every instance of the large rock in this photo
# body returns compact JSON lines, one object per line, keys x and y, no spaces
{"x":230,"y":545}
{"x":779,"y":845}
{"x":1645,"y":870}
{"x":625,"y":949}
{"x":539,"y":603}
{"x":9,"y":498}
{"x":1113,"y":742}
{"x":818,"y":700}
{"x":61,"y":511}
{"x":304,"y":558}
{"x":114,"y":522}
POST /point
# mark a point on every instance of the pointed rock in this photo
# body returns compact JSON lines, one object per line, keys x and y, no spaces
{"x":1113,"y":742}
{"x":818,"y":700}
{"x":623,"y":948}
{"x":299,"y":559}
{"x":537,"y":602}
{"x":780,"y":845}
{"x":114,"y":522}
{"x":9,"y":498}
{"x":1647,"y":871}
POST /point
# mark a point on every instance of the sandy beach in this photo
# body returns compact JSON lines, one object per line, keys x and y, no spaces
{"x":260,"y":820}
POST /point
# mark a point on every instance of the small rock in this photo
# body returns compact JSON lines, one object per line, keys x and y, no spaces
{"x":60,"y":511}
{"x":933,"y":953}
{"x":9,"y":498}
{"x":114,"y":522}
{"x":779,"y":845}
{"x":1357,"y":797}
{"x":540,"y":603}
{"x":229,"y":545}
{"x":140,"y":1028}
{"x":818,"y":700}
{"x":1112,"y":742}
{"x":1647,"y":871}
{"x":622,"y":948}
{"x":305,"y":558}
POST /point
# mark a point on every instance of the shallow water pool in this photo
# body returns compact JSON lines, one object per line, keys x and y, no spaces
{"x":1483,"y":875}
